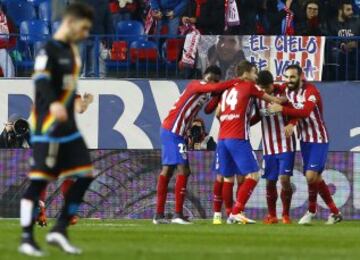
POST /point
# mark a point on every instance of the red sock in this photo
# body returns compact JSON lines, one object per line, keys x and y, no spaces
{"x":286,"y":196}
{"x":161,"y":193}
{"x":227,"y":194}
{"x":217,"y":199}
{"x":313,"y":192}
{"x":65,"y":186}
{"x":324,"y":192}
{"x":271,"y":198}
{"x":243,"y":195}
{"x":180,"y":192}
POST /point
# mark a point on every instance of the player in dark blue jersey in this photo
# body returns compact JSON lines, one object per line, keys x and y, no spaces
{"x":59,"y":151}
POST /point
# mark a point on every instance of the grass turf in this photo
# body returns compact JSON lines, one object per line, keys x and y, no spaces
{"x":139,"y":239}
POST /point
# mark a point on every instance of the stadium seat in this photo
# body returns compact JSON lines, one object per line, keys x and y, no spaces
{"x":38,"y":2}
{"x":119,"y":51}
{"x":20,"y":11}
{"x":173,"y":49}
{"x":129,"y":30}
{"x":34,"y":31}
{"x":143,"y":51}
{"x":45,"y":11}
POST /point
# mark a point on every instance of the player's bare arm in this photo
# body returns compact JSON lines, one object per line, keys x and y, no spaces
{"x":58,"y":110}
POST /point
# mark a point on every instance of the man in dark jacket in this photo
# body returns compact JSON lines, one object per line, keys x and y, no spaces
{"x":168,"y":12}
{"x":94,"y":50}
{"x":345,"y":52}
{"x":208,"y":16}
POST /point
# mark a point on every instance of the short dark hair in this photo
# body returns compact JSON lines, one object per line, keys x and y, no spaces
{"x":295,"y":67}
{"x":311,"y":2}
{"x":80,"y":11}
{"x":244,"y":66}
{"x":265,"y":78}
{"x":213,"y":69}
{"x":344,"y":2}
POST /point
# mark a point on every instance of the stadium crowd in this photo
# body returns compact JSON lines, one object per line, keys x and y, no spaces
{"x":334,"y":18}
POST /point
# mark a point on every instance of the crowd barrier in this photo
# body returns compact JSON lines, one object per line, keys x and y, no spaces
{"x":143,"y":56}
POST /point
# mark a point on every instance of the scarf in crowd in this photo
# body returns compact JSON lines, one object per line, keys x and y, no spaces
{"x":232,"y":17}
{"x":198,"y":7}
{"x":191,"y":44}
{"x":150,"y":22}
{"x":4,"y":26}
{"x":287,"y":24}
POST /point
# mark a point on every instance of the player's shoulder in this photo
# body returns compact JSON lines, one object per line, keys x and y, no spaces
{"x":310,"y":87}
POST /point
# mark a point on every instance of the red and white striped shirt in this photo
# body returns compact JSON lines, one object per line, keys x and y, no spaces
{"x":274,"y":140}
{"x":236,"y":109}
{"x":190,"y":103}
{"x":306,"y":104}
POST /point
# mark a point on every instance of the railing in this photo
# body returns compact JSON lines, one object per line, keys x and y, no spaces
{"x":134,"y":56}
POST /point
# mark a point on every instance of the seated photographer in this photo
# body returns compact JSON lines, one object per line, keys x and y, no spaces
{"x":16,"y":133}
{"x":198,"y":139}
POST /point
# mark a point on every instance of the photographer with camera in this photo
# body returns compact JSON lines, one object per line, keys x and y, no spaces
{"x":198,"y":139}
{"x":16,"y":133}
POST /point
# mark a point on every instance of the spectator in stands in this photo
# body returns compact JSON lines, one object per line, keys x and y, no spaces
{"x":249,"y":15}
{"x":94,"y":51}
{"x":7,"y":42}
{"x":311,"y":24}
{"x":344,"y":24}
{"x":168,"y":12}
{"x":208,"y":16}
{"x":198,"y":139}
{"x":226,"y":53}
{"x":345,"y":53}
{"x":283,"y":15}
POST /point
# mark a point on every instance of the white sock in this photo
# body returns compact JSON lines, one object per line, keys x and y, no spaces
{"x":26,"y":212}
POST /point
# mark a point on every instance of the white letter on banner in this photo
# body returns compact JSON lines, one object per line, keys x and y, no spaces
{"x":165,"y":94}
{"x":133,"y":99}
{"x":356,"y":180}
{"x":342,"y":187}
{"x":13,"y":87}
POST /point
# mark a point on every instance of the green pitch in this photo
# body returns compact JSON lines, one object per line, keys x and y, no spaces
{"x":141,"y":240}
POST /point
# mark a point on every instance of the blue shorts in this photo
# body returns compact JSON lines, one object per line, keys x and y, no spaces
{"x":314,"y":156}
{"x":173,"y":148}
{"x":278,"y":164}
{"x":235,"y":156}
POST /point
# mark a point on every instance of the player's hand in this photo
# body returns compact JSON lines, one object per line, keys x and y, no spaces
{"x":283,"y":99}
{"x":275,"y":108}
{"x":58,"y":110}
{"x":289,"y":130}
{"x":88,"y":98}
{"x":170,"y":15}
{"x":185,"y":20}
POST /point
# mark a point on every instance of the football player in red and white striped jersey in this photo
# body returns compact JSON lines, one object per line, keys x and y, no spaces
{"x":305,"y":103}
{"x":173,"y":130}
{"x":278,"y":149}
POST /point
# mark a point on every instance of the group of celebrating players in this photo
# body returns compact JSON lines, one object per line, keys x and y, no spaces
{"x":240,"y":103}
{"x":59,"y":150}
